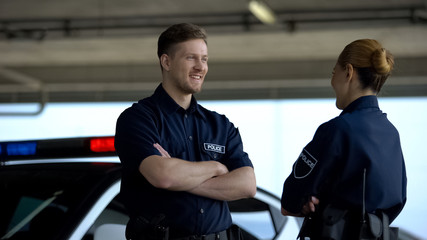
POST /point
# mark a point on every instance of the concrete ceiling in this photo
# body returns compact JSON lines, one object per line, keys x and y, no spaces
{"x":105,"y":50}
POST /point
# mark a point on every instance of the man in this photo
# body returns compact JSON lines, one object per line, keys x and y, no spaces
{"x":181,"y":162}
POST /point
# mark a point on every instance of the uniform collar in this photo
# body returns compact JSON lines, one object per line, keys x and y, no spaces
{"x":370,"y":101}
{"x":169,"y":105}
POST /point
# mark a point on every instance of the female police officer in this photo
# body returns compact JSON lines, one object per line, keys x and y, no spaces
{"x":329,"y":170}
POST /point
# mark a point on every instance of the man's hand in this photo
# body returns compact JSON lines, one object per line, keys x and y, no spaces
{"x":308,"y":208}
{"x":162,"y":151}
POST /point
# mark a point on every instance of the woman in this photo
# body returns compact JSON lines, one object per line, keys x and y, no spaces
{"x":330,"y":169}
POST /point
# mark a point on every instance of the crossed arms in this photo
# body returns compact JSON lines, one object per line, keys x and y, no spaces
{"x":206,"y":178}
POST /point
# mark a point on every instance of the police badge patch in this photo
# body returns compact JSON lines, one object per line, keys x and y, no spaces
{"x":214,"y":148}
{"x":304,"y":165}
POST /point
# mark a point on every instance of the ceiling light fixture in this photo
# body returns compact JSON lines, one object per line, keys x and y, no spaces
{"x":263,"y":12}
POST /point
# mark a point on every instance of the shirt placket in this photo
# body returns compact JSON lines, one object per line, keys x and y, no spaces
{"x":191,"y":144}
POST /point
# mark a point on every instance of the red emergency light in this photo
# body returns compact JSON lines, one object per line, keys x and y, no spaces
{"x":102,"y":144}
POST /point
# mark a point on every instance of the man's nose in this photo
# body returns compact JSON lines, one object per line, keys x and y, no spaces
{"x":200,"y":65}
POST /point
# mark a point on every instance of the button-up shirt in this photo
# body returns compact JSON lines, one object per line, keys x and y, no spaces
{"x":193,"y":134}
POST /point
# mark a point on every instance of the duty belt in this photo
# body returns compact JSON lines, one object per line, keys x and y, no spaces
{"x":214,"y":236}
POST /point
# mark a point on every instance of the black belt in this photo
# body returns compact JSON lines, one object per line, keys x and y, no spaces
{"x":214,"y":236}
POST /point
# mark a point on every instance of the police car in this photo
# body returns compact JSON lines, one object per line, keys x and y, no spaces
{"x":69,"y":189}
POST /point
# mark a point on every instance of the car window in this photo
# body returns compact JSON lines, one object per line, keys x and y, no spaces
{"x":33,"y":216}
{"x":42,"y":201}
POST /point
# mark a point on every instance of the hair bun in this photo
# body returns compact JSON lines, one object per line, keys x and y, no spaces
{"x":382,"y":61}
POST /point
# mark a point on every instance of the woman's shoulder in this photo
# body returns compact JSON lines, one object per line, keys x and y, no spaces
{"x":336,"y":123}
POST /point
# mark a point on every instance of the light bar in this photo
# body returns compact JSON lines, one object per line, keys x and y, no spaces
{"x":57,"y":148}
{"x":264,"y":13}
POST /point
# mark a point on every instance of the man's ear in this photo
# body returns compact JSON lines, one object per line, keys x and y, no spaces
{"x":165,"y":62}
{"x":349,"y":70}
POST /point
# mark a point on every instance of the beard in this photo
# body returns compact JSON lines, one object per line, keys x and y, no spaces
{"x":188,"y":88}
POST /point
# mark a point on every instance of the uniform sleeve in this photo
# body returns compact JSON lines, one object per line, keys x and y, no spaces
{"x":313,"y":167}
{"x":394,"y":211}
{"x":135,"y":135}
{"x":236,"y":157}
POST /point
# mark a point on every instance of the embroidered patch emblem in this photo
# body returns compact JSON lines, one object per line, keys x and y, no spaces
{"x":304,"y":165}
{"x":214,"y":148}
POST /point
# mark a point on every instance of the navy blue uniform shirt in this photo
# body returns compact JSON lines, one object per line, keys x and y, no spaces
{"x":195,"y":134}
{"x":331,"y":165}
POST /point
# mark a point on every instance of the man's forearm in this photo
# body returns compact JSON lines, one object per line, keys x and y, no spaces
{"x":237,"y":184}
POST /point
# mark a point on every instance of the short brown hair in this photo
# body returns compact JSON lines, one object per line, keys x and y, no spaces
{"x":179,"y":33}
{"x":372,"y":62}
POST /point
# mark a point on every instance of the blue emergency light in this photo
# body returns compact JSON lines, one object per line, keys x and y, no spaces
{"x":21,"y":148}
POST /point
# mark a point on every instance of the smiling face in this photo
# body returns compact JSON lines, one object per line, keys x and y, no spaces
{"x":186,"y":67}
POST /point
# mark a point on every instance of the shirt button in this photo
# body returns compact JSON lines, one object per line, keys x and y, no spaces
{"x":190,"y":137}
{"x":186,"y":116}
{"x":202,"y":211}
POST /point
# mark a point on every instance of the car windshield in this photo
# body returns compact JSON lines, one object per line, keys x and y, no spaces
{"x":37,"y":201}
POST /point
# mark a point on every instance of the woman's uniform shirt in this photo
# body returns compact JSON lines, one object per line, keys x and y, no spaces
{"x":195,"y":134}
{"x":331,"y":165}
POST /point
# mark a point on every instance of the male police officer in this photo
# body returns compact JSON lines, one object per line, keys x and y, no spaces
{"x":180,"y":159}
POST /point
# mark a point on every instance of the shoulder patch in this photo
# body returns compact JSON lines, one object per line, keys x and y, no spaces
{"x":304,"y":164}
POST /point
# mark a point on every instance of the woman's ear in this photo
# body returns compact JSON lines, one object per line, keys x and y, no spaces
{"x":164,"y":61}
{"x":349,"y":71}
